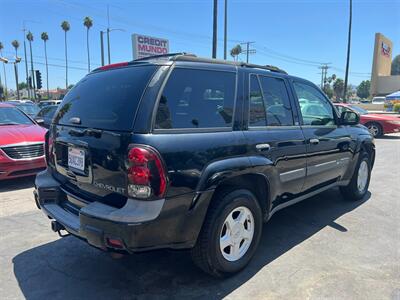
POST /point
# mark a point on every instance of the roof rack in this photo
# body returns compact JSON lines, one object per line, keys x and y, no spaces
{"x":170,"y":55}
{"x":194,"y":58}
{"x":184,"y":56}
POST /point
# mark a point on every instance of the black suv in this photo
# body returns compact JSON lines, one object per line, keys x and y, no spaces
{"x":184,"y":152}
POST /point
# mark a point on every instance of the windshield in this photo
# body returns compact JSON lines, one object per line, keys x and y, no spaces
{"x":29,"y":109}
{"x":106,"y":99}
{"x":12,"y":116}
{"x":359,"y":110}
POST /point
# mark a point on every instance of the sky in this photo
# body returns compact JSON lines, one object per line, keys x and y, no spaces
{"x":295,"y":35}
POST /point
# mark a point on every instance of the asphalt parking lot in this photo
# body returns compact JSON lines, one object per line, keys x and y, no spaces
{"x":324,"y":247}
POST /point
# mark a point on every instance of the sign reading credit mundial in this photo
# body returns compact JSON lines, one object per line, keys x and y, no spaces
{"x":144,"y":46}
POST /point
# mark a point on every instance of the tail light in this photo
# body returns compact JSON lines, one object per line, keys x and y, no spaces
{"x":146,"y":173}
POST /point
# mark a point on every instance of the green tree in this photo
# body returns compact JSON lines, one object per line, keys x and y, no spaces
{"x":396,"y":66}
{"x":363,"y":89}
{"x":45,"y":37}
{"x":15,"y":44}
{"x":66,"y":27}
{"x":22,"y":85}
{"x":88,"y":22}
{"x":338,"y":88}
{"x":328,"y":91}
{"x":235,"y":51}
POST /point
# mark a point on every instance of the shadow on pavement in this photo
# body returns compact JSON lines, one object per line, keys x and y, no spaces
{"x":68,"y":268}
{"x":15,"y":184}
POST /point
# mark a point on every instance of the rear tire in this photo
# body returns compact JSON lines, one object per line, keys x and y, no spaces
{"x":359,"y":182}
{"x":375,"y":129}
{"x":230,"y":234}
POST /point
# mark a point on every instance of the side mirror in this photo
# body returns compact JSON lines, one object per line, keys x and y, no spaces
{"x":39,"y":121}
{"x":349,"y":118}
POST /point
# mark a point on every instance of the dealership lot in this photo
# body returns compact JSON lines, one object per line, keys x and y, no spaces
{"x":324,"y":247}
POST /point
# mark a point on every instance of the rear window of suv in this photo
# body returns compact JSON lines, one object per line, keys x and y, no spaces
{"x":106,"y":100}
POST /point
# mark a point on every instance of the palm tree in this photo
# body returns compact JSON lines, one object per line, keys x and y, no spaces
{"x":88,"y":22}
{"x":45,"y":37}
{"x":66,"y":27}
{"x":29,"y":37}
{"x":235,"y":51}
{"x":15,"y":44}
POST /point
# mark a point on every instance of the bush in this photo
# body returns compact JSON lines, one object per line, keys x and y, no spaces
{"x":396,"y":107}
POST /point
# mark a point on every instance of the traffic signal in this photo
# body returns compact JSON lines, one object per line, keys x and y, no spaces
{"x":30,"y":82}
{"x":38,"y":80}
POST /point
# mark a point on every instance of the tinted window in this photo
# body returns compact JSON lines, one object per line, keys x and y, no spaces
{"x":257,"y":109}
{"x":197,"y":99}
{"x":315,"y":108}
{"x":107,"y":99}
{"x":12,"y":116}
{"x":276,"y":101}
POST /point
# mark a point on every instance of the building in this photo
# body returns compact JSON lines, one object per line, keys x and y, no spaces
{"x":382,"y":83}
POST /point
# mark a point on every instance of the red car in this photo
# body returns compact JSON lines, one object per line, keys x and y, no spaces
{"x":21,"y":144}
{"x":377,"y":124}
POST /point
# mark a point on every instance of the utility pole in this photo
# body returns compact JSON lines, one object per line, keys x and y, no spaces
{"x":324,"y":72}
{"x":33,"y":72}
{"x":248,"y":50}
{"x":346,"y":77}
{"x":102,"y":47}
{"x":108,"y":34}
{"x":215,"y":20}
{"x":225,"y":28}
{"x":26,"y":62}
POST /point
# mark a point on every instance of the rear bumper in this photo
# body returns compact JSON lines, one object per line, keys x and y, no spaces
{"x":19,"y":168}
{"x":139,"y":225}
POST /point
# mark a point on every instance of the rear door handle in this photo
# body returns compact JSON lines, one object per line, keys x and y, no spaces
{"x":314,"y":141}
{"x":263,"y":147}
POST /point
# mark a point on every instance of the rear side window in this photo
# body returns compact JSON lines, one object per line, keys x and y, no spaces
{"x":107,"y":99}
{"x":197,"y":99}
{"x":272,"y":108}
{"x":257,"y":108}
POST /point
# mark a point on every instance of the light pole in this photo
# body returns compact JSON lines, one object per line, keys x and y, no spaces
{"x":102,"y":47}
{"x":108,"y":41}
{"x":225,"y":28}
{"x":26,"y":65}
{"x":214,"y":40}
{"x":346,"y":76}
{"x":15,"y":62}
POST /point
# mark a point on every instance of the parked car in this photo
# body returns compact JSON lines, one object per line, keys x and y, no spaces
{"x":48,"y":102}
{"x":21,"y":144}
{"x":29,"y":108}
{"x":45,"y":115}
{"x":378,"y":100}
{"x":377,"y":124}
{"x":192,"y":153}
{"x":20,"y":101}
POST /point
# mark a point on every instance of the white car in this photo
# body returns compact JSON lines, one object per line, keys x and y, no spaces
{"x":378,"y":100}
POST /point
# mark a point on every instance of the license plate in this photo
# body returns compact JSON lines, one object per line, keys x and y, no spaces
{"x":76,"y":158}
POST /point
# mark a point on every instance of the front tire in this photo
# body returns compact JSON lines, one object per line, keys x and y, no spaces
{"x":375,"y":129}
{"x":230,"y":234}
{"x":359,"y":182}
